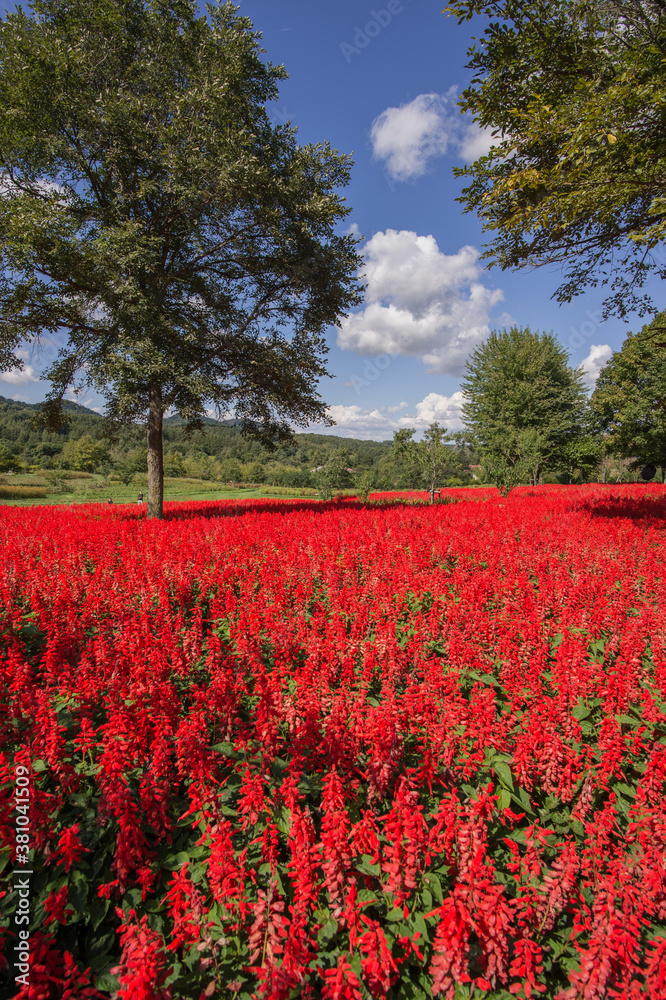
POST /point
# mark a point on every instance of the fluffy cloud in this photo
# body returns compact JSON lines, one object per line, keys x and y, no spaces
{"x":380,"y":423}
{"x":408,"y":138}
{"x":354,"y":421}
{"x":443,"y":409}
{"x":20,"y":376}
{"x":420,"y":302}
{"x":475,"y":142}
{"x":594,"y":362}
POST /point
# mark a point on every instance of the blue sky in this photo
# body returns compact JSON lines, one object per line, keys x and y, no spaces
{"x":381,"y":81}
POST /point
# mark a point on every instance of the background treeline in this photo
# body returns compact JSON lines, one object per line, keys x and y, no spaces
{"x":217,"y":452}
{"x":528,"y":419}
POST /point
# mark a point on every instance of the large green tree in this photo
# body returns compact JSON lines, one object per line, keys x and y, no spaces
{"x":574,"y":92}
{"x":183,"y":247}
{"x":524,"y":404}
{"x":629,"y":400}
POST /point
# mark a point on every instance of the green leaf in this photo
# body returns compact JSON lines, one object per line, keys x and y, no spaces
{"x":77,"y":896}
{"x":503,"y":772}
{"x":106,"y":982}
{"x":227,"y":749}
{"x":504,"y":799}
{"x":99,"y":944}
{"x":174,"y":861}
{"x":327,"y":932}
{"x":421,"y":926}
{"x":434,"y":884}
{"x":97,"y":910}
{"x":366,"y":866}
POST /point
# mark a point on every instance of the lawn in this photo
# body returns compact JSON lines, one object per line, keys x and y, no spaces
{"x":35,"y":488}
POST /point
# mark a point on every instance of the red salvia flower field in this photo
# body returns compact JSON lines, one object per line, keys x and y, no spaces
{"x":336,"y":750}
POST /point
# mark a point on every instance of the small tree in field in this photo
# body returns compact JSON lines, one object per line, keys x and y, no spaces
{"x":8,"y":460}
{"x":429,"y":457}
{"x":335,"y":475}
{"x":151,"y":211}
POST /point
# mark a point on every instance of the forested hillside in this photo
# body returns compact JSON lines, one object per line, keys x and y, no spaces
{"x":218,"y":451}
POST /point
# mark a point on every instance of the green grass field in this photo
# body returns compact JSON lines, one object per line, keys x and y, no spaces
{"x":35,"y":488}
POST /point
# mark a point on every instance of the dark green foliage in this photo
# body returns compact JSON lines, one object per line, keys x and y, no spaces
{"x":524,"y":404}
{"x":629,"y":401}
{"x":151,"y":211}
{"x":237,"y":457}
{"x":573,"y":91}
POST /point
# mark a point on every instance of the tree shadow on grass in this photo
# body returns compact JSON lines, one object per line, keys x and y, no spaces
{"x":190,"y":510}
{"x":649,"y":508}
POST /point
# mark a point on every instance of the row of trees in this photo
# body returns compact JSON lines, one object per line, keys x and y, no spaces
{"x":219,"y":451}
{"x":528,"y":412}
{"x":528,"y":418}
{"x":218,"y":444}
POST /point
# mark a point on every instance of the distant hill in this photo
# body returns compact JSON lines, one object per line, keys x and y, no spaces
{"x":218,"y":450}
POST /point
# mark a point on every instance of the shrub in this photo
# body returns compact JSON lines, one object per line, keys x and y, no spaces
{"x":22,"y":492}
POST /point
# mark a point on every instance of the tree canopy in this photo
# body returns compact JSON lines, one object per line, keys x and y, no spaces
{"x":524,"y":404}
{"x":430,"y":459}
{"x":629,"y":400}
{"x":574,"y":92}
{"x":151,"y":213}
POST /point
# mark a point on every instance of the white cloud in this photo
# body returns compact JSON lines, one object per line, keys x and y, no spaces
{"x":420,"y":302}
{"x":226,"y":415}
{"x":20,"y":376}
{"x":381,"y":423}
{"x":408,"y":138}
{"x":475,"y":142}
{"x":354,"y":421}
{"x":445,"y":410}
{"x":594,"y":362}
{"x":34,"y":189}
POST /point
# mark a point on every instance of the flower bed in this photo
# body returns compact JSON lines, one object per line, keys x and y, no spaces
{"x":328,"y":750}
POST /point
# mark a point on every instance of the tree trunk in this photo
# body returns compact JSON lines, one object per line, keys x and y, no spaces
{"x":155,"y":454}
